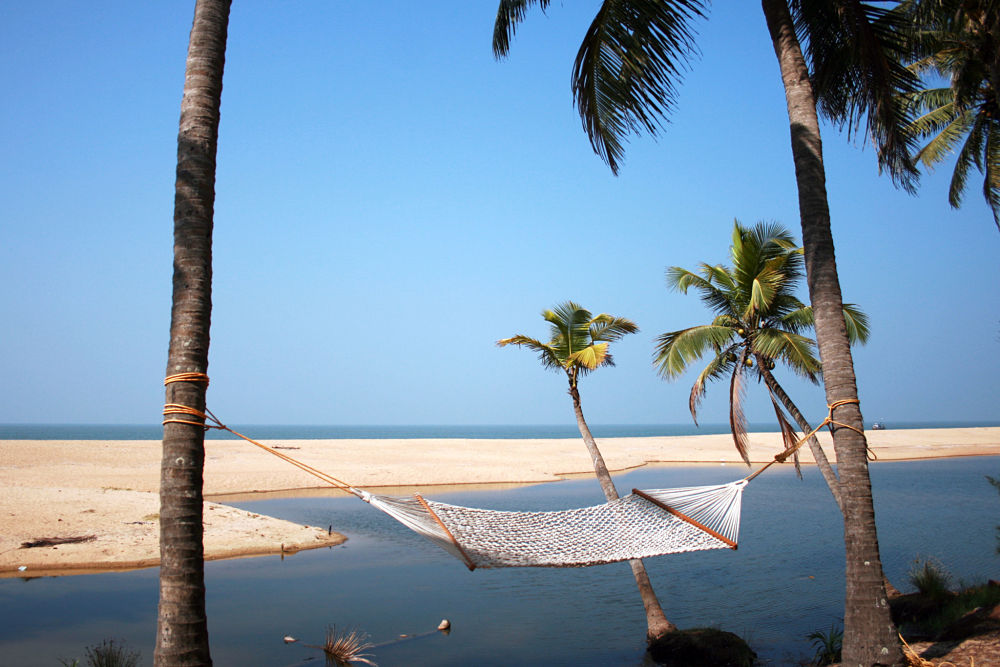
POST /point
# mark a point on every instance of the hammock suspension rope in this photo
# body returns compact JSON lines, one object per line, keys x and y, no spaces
{"x":642,"y":524}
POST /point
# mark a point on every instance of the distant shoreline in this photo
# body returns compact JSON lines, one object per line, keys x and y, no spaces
{"x":107,"y":490}
{"x":417,"y":431}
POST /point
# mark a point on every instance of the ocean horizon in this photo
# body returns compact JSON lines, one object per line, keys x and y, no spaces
{"x":411,"y":431}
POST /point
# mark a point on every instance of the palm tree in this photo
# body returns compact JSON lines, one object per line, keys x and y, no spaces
{"x":578,"y":344}
{"x":625,"y":75}
{"x":182,"y":627}
{"x":957,"y":41}
{"x":758,"y":323}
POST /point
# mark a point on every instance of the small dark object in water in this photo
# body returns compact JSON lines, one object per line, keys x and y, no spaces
{"x":706,"y":647}
{"x":53,"y":541}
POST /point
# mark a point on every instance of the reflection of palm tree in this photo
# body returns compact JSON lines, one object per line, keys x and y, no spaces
{"x":959,"y":41}
{"x":182,"y":632}
{"x":625,"y":77}
{"x":578,"y":344}
{"x":758,"y":322}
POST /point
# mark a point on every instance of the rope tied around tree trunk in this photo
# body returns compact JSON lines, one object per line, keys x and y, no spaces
{"x":207,"y":421}
{"x":829,"y":420}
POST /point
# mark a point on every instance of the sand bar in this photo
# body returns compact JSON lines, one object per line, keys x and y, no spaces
{"x":108,"y":489}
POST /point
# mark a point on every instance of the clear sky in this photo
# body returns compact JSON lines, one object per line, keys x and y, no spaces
{"x":391,"y":201}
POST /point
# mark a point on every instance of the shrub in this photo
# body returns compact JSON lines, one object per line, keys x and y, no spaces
{"x":827,"y":644}
{"x":931,"y":579}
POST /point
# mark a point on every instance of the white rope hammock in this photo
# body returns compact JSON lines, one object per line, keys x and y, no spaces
{"x":640,"y":525}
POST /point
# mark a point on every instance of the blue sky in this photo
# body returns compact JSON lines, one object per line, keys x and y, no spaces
{"x":391,"y":201}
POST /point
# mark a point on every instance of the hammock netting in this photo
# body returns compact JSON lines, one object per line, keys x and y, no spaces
{"x":640,"y":525}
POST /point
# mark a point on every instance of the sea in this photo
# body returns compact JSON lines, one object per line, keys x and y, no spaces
{"x":783,"y":582}
{"x":154,"y":431}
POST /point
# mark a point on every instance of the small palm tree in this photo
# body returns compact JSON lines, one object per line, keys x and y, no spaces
{"x":578,"y":344}
{"x":758,"y":323}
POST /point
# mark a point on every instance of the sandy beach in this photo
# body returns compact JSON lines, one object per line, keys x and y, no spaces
{"x":100,"y":498}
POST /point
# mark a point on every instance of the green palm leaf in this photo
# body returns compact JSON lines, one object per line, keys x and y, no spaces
{"x":509,"y":14}
{"x":955,"y":40}
{"x":857,"y":324}
{"x":546,"y":353}
{"x":717,"y":367}
{"x":626,"y":72}
{"x":578,"y":342}
{"x":676,"y":350}
{"x":795,"y":351}
{"x":628,"y":66}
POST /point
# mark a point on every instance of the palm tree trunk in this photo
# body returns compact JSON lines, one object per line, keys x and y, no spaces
{"x":182,"y":625}
{"x":657,"y":624}
{"x":870,"y":637}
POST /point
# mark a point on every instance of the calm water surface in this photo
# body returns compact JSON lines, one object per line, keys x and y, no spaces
{"x":784,"y":581}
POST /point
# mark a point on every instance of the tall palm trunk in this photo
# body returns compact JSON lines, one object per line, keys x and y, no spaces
{"x":657,"y":624}
{"x":870,"y":637}
{"x":182,"y":627}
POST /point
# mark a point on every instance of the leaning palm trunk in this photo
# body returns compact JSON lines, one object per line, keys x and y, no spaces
{"x":817,"y":450}
{"x":870,"y":637}
{"x":657,"y":624}
{"x":182,"y":627}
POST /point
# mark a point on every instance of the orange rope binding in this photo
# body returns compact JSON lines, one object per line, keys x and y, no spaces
{"x":780,"y":458}
{"x":210,"y":421}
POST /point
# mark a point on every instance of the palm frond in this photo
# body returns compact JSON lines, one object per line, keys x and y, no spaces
{"x":680,"y":279}
{"x":788,"y":436}
{"x":591,"y":357}
{"x":509,"y":14}
{"x":605,"y":327}
{"x":737,"y":420}
{"x":794,"y":350}
{"x":676,"y":350}
{"x":856,"y":53}
{"x":948,"y":137}
{"x":627,"y":69}
{"x":991,"y":180}
{"x":546,"y":353}
{"x":763,"y":289}
{"x":968,"y":156}
{"x":716,"y":368}
{"x":856,"y":320}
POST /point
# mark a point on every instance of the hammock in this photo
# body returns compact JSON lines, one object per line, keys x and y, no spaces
{"x":639,"y":525}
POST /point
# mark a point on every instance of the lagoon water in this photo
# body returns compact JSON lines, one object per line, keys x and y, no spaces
{"x":785,"y":580}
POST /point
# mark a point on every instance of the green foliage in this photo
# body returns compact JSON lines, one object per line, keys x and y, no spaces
{"x":759,"y":322}
{"x":956,"y":41}
{"x":578,"y":341}
{"x":827,"y":645}
{"x":930,"y":617}
{"x":627,"y":71}
{"x":931,"y":579}
{"x":107,"y":654}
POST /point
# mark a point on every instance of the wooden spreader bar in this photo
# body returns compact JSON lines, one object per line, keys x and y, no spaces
{"x":684,"y":517}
